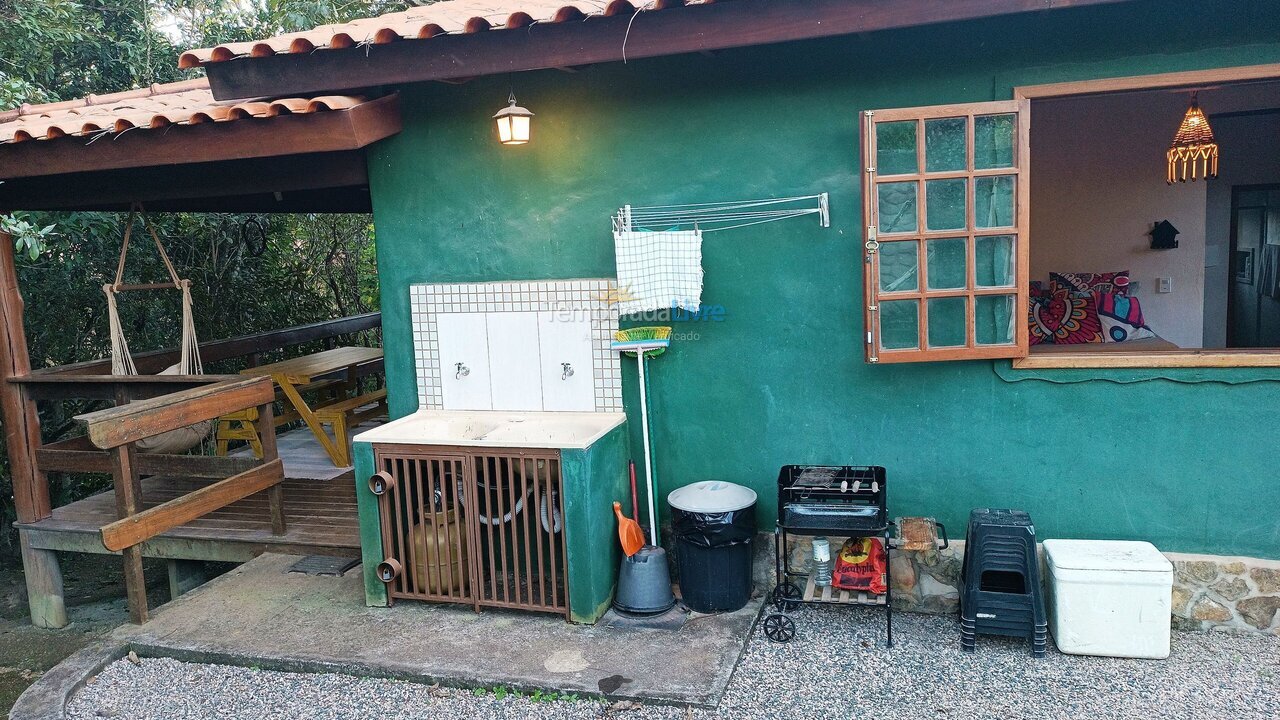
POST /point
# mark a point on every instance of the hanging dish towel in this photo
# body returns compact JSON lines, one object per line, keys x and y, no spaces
{"x":658,"y":270}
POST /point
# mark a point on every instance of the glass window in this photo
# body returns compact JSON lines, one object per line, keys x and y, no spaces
{"x":947,"y":242}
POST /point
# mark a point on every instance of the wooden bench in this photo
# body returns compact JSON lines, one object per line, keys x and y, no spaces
{"x":346,"y":414}
{"x":347,"y":363}
{"x":243,"y":425}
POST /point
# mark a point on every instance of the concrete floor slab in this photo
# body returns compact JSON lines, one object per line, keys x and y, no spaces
{"x":262,"y":615}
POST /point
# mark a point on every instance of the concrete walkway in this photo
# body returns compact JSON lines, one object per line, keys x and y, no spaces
{"x":261,"y":615}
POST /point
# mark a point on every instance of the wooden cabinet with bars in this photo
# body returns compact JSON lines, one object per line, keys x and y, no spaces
{"x":480,"y":527}
{"x":493,"y":509}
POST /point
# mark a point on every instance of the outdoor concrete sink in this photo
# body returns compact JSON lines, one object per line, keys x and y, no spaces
{"x":496,"y":428}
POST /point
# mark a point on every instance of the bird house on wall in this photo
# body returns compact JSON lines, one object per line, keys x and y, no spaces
{"x":1164,"y":236}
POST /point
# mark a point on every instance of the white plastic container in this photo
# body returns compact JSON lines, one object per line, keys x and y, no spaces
{"x":1109,"y":597}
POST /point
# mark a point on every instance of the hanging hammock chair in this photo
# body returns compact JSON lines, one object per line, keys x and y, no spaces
{"x":182,"y":439}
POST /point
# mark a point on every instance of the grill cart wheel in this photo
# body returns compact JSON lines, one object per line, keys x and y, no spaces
{"x":779,"y":628}
{"x":786,"y":596}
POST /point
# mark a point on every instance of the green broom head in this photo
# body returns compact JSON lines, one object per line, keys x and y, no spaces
{"x":652,"y":340}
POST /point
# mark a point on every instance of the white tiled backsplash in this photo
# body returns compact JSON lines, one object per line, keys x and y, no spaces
{"x":427,"y":302}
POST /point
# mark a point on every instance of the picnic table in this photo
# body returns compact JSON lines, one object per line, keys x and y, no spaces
{"x":331,"y":379}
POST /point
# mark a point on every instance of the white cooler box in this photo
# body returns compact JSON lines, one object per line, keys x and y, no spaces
{"x":1109,"y":597}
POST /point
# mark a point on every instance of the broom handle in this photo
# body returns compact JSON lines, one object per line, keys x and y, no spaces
{"x":648,"y":455}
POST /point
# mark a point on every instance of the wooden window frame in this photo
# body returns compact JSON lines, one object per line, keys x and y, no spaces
{"x":871,"y":258}
{"x":1188,"y":358}
{"x":1191,"y":357}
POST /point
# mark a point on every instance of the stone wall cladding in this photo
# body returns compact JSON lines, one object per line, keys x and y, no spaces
{"x":1233,"y":594}
{"x":1210,"y":592}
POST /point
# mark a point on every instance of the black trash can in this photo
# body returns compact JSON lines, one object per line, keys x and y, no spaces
{"x":714,"y":523}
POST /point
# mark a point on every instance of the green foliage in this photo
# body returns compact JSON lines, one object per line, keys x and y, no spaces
{"x":63,"y":49}
{"x":27,"y":238}
{"x":204,"y":23}
{"x":501,"y":692}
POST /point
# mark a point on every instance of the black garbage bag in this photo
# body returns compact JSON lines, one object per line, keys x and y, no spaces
{"x":714,"y":529}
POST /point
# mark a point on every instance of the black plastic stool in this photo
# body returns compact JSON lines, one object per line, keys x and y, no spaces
{"x":1001,"y":578}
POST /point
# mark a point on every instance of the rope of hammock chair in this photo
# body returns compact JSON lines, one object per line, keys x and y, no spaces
{"x":121,"y":359}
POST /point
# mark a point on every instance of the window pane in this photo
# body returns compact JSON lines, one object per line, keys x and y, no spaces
{"x":947,"y":322}
{"x":896,"y":148}
{"x":993,"y":201}
{"x":944,"y":145}
{"x":994,"y":257}
{"x":946,"y":264}
{"x":944,"y":204}
{"x":896,"y":211}
{"x":992,"y":319}
{"x":993,"y":141}
{"x":899,"y":266}
{"x":899,"y":324}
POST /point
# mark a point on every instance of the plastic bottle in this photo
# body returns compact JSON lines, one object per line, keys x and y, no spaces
{"x":821,"y":561}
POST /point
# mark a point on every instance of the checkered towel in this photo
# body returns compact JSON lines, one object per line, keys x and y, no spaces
{"x":658,"y":270}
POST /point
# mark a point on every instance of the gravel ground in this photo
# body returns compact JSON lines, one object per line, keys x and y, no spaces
{"x":836,"y":667}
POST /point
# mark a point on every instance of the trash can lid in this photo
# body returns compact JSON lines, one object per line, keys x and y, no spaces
{"x":711,"y":496}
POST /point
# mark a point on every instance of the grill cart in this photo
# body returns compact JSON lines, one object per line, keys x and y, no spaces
{"x":835,"y":501}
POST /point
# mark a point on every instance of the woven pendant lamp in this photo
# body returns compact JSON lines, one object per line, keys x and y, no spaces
{"x":1194,"y":152}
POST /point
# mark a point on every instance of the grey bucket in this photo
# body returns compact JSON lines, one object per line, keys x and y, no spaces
{"x":644,"y":583}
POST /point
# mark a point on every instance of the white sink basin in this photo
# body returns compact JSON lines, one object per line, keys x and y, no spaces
{"x":496,"y":428}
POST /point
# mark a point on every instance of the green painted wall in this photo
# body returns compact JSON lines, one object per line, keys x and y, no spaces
{"x":1184,"y":460}
{"x":593,"y":479}
{"x":375,"y":591}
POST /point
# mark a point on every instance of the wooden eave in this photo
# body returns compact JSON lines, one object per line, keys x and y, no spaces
{"x":596,"y":39}
{"x":330,"y":182}
{"x":249,"y":138}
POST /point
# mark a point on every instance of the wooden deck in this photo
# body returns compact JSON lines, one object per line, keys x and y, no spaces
{"x":321,"y":516}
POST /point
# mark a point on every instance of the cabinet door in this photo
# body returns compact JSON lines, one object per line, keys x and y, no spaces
{"x":464,"y":361}
{"x":514,"y":371}
{"x":565,"y":339}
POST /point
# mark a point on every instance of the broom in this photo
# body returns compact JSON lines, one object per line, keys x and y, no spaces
{"x":645,"y":342}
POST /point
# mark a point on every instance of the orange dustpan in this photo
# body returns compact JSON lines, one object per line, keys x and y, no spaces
{"x":629,"y":532}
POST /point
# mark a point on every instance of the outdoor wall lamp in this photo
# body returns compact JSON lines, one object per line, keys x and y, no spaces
{"x":513,"y":123}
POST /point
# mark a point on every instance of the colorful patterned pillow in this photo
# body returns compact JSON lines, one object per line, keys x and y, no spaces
{"x":1065,"y":318}
{"x":1038,"y":289}
{"x":1112,"y":282}
{"x":1121,"y":317}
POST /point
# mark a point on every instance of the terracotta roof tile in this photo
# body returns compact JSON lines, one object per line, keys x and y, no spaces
{"x":182,"y":103}
{"x":449,"y":17}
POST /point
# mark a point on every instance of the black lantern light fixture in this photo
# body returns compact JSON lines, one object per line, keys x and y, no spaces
{"x":513,"y":123}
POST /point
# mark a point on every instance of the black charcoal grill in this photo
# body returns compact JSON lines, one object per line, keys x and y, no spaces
{"x":820,"y":500}
{"x":841,"y":502}
{"x":838,"y":501}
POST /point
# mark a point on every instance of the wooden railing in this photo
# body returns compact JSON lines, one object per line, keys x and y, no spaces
{"x":213,"y":351}
{"x":117,"y":430}
{"x":30,"y":460}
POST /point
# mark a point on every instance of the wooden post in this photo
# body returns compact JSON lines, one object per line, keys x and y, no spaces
{"x":22,"y":436}
{"x":184,"y":576}
{"x":45,"y":598}
{"x":128,"y":502}
{"x":267,"y":437}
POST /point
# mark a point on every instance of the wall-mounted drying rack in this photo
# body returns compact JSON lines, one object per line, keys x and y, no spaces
{"x":710,"y":217}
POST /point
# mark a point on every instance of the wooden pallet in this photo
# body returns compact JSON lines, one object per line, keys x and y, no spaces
{"x":829,"y":594}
